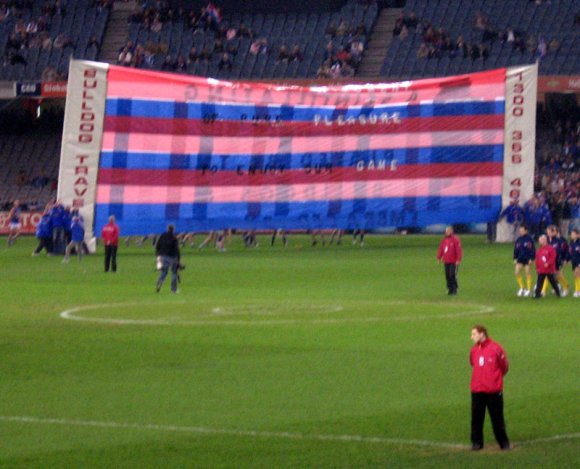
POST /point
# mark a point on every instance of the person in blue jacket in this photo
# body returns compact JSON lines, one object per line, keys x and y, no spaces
{"x":44,"y":234}
{"x":524,"y":255}
{"x":514,"y":215}
{"x":58,"y":229}
{"x":77,"y":230}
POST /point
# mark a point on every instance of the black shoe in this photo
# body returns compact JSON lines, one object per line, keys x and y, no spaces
{"x":476,"y":447}
{"x":505,"y":446}
{"x":157,"y":288}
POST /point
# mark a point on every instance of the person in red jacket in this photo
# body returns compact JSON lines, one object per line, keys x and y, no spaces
{"x":110,"y":235}
{"x":450,"y":253}
{"x":546,"y":266}
{"x":489,"y":365}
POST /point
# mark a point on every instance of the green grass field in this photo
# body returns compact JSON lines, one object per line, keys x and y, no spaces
{"x":335,"y":357}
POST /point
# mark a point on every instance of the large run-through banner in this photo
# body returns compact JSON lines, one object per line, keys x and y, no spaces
{"x":155,"y":148}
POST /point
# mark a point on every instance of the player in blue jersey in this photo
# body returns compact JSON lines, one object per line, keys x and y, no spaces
{"x":44,"y":234}
{"x":77,"y":232}
{"x":514,"y":216}
{"x":14,"y":223}
{"x":524,"y":255}
{"x":574,"y":251}
{"x":561,"y":246}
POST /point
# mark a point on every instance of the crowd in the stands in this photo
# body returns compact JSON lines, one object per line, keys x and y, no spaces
{"x":437,"y":42}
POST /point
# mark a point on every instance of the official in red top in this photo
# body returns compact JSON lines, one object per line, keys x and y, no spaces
{"x":546,"y":266}
{"x":450,"y":253}
{"x":110,"y":235}
{"x":489,"y":365}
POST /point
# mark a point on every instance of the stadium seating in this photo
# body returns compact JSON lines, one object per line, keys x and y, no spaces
{"x":80,"y":22}
{"x":304,"y":29}
{"x":552,"y":21}
{"x":37,"y":157}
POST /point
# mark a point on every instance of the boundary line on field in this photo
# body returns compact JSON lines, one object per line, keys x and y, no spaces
{"x":262,"y":434}
{"x":69,"y":314}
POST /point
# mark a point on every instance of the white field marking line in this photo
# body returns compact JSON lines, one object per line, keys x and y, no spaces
{"x":69,"y":314}
{"x":568,"y":436}
{"x":240,"y":433}
{"x":265,"y":434}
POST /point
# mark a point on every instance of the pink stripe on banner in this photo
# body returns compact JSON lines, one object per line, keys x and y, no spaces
{"x":424,"y":187}
{"x":140,"y":84}
{"x":130,"y":90}
{"x":193,"y":144}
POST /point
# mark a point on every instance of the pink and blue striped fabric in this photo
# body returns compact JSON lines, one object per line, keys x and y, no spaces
{"x":206,"y":154}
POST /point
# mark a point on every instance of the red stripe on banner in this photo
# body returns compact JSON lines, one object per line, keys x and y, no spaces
{"x":156,"y":125}
{"x":182,"y":178}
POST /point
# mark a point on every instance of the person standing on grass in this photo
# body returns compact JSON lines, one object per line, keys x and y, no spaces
{"x":77,"y":233}
{"x":110,"y":235}
{"x":574,"y":248}
{"x":14,"y":223}
{"x":545,"y":266}
{"x":561,"y":247}
{"x":44,"y":235}
{"x":524,"y":254}
{"x":489,"y":365}
{"x":450,"y":253}
{"x":168,"y":256}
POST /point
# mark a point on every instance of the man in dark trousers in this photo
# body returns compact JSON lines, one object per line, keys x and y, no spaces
{"x":167,"y":252}
{"x":110,"y":235}
{"x":546,"y":266}
{"x":489,"y":365}
{"x":451,"y":254}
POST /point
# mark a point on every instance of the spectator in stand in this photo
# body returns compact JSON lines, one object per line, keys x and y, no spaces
{"x":283,"y":54}
{"x":324,"y":69}
{"x":180,"y":65}
{"x":296,"y":54}
{"x":125,"y":57}
{"x":412,"y":21}
{"x":62,"y":41}
{"x":244,"y":31}
{"x":205,"y":55}
{"x":211,"y":17}
{"x":168,"y":64}
{"x":330,"y":30}
{"x":343,"y":29}
{"x":193,"y":56}
{"x":259,"y":46}
{"x":399,"y":24}
{"x":462,"y":47}
{"x":225,"y":63}
{"x":93,"y":42}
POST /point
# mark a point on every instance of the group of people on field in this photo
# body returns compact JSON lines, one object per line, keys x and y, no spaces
{"x":551,"y":257}
{"x":553,"y":254}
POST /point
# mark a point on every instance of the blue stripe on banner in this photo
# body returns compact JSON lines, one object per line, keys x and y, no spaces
{"x":431,"y":155}
{"x":368,"y":214}
{"x":171,"y":109}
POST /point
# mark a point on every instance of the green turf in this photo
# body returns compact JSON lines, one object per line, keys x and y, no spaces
{"x":267,"y":356}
